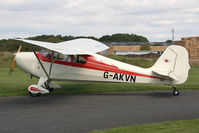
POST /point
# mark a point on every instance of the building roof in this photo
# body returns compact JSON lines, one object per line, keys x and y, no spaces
{"x":136,"y":43}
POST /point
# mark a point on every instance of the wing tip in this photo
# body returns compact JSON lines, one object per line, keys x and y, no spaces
{"x":18,"y":39}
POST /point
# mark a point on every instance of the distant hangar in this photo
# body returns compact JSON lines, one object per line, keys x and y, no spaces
{"x":133,"y":48}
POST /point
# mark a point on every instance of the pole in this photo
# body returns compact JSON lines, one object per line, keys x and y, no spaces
{"x":172,"y":36}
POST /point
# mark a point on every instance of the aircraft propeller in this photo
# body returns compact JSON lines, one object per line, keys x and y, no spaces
{"x":14,"y":61}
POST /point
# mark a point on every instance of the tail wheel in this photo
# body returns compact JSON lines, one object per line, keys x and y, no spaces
{"x":176,"y":92}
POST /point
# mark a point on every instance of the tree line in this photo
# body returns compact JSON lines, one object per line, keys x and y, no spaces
{"x":12,"y":45}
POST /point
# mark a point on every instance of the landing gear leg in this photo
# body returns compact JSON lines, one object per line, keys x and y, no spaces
{"x":175,"y":91}
{"x":47,"y":86}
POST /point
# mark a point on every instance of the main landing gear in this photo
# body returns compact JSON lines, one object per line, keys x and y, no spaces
{"x":35,"y":90}
{"x":44,"y":86}
{"x":175,"y":91}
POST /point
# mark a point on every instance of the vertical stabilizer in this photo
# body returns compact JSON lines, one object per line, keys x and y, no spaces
{"x":174,"y":63}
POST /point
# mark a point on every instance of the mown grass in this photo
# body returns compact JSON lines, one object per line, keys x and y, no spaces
{"x":14,"y":85}
{"x":185,"y":126}
{"x":18,"y":83}
{"x":6,"y":58}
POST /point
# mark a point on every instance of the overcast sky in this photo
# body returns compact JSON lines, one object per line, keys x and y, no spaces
{"x":151,"y":18}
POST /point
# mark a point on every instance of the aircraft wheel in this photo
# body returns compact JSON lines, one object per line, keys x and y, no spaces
{"x":34,"y":95}
{"x":176,"y":92}
{"x":50,"y":89}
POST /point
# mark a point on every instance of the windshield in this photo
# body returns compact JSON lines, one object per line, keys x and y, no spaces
{"x":46,"y":53}
{"x":57,"y":56}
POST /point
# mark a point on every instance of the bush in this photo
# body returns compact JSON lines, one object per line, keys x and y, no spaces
{"x":145,"y":47}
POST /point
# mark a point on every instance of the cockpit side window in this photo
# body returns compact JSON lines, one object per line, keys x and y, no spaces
{"x":67,"y":58}
{"x":61,"y":57}
{"x":46,"y":53}
{"x":79,"y":59}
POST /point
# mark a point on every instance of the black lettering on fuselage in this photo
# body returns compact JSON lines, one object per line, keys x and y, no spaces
{"x":106,"y":75}
{"x":115,"y":76}
{"x":127,"y":77}
{"x":121,"y":77}
{"x":133,"y":78}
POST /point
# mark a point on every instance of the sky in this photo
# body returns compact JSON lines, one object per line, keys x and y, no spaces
{"x":153,"y":19}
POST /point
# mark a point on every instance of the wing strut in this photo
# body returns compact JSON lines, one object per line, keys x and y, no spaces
{"x":52,"y":59}
{"x":41,"y":63}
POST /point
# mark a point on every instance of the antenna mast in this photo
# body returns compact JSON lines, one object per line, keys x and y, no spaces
{"x":172,"y":36}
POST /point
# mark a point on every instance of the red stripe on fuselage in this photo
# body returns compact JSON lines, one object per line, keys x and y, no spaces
{"x":93,"y":64}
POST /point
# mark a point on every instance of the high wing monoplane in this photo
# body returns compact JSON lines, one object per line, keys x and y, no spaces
{"x":77,"y":60}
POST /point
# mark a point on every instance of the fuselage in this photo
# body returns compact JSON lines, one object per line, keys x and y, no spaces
{"x":95,"y":68}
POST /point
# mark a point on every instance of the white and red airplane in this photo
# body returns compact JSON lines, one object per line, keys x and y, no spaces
{"x":77,"y":60}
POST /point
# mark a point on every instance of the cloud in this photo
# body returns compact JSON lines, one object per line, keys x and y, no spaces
{"x":151,"y":18}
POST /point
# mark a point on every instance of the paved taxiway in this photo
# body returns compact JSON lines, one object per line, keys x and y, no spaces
{"x":87,"y":112}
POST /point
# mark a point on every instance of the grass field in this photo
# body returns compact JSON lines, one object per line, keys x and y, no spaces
{"x":6,"y":59}
{"x":186,"y":126}
{"x":17,"y":84}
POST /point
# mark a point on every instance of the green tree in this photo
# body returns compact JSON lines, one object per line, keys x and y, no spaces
{"x":123,"y":38}
{"x":12,"y":45}
{"x":169,"y":41}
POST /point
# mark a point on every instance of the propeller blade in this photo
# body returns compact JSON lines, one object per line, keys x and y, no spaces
{"x":14,"y":61}
{"x":19,"y":49}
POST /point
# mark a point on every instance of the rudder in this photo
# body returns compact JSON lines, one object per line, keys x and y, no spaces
{"x":174,"y":63}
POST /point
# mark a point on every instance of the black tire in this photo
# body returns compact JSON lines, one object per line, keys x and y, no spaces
{"x":50,"y":89}
{"x":34,"y":95}
{"x":176,"y":92}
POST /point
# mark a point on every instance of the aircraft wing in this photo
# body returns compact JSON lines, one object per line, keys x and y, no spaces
{"x":80,"y":46}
